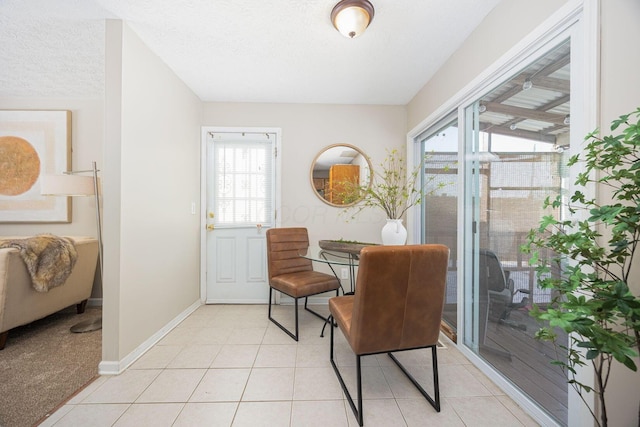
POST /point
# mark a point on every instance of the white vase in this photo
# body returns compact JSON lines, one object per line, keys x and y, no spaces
{"x":394,"y":233}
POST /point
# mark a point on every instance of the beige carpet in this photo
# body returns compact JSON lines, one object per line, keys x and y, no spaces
{"x":44,"y":364}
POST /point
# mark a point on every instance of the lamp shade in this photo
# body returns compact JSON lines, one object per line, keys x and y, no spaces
{"x":352,"y":17}
{"x":66,"y":185}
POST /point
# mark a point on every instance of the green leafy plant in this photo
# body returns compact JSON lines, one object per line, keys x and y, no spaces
{"x":590,"y":266}
{"x":394,"y":188}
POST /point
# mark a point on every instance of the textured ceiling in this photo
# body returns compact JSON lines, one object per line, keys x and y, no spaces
{"x":237,"y":50}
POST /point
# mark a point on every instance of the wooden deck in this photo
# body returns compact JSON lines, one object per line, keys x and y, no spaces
{"x":515,"y":353}
{"x":526,"y":362}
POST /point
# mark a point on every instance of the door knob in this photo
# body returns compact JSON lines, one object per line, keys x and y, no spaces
{"x":210,"y":227}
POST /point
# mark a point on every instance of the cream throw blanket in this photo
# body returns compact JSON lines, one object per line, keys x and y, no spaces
{"x":49,"y":259}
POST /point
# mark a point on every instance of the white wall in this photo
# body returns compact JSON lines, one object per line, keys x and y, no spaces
{"x":620,"y":94}
{"x":503,"y":27}
{"x":152,"y":247}
{"x":307,"y":129}
{"x":87,"y":135}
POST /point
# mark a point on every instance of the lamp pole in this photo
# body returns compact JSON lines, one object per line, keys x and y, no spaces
{"x":93,"y":324}
{"x":98,"y":217}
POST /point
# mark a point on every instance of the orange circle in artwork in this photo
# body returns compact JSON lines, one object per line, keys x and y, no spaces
{"x":19,"y":165}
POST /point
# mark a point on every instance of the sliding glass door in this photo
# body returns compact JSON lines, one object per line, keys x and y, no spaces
{"x":494,"y":161}
{"x":439,"y":146}
{"x":516,"y":141}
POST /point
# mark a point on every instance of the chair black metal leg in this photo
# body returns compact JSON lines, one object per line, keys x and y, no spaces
{"x":436,"y":381}
{"x":292,"y":335}
{"x":330,"y":319}
{"x":359,"y":374}
{"x":313,"y":312}
{"x":356,"y":411}
{"x":295,"y":337}
{"x":435,"y":401}
{"x":296,"y":311}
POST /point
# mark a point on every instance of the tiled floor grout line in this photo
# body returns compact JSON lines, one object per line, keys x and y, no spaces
{"x":208,"y":326}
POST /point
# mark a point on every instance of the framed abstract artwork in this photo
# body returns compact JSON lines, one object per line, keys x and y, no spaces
{"x":33,"y":143}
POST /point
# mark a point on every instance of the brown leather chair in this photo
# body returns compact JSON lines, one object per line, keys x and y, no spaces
{"x":293,"y":275}
{"x":397,"y":306}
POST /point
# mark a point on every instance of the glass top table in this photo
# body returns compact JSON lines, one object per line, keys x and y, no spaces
{"x":316,"y":253}
{"x":333,"y":258}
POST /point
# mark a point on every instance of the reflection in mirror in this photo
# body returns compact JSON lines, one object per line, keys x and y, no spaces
{"x":336,"y":169}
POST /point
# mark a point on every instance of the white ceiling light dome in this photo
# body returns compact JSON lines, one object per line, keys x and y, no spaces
{"x":352,"y":17}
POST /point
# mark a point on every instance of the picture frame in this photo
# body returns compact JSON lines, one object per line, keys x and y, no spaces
{"x":33,"y":143}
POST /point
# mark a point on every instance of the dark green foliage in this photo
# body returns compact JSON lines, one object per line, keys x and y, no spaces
{"x":589,"y":270}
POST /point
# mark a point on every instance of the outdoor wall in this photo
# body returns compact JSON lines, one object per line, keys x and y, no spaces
{"x":306,"y":130}
{"x":154,"y":177}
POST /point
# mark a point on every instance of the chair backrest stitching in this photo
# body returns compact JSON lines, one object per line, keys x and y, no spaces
{"x":282,"y":250}
{"x":432,"y":258}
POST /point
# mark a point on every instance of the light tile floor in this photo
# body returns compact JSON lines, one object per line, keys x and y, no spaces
{"x":227,"y":365}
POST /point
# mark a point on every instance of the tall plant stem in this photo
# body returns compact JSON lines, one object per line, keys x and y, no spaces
{"x":602,"y":383}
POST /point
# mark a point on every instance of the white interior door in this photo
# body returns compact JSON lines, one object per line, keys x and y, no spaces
{"x":240,"y":206}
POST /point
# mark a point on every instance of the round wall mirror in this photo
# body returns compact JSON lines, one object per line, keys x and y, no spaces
{"x":336,"y":171}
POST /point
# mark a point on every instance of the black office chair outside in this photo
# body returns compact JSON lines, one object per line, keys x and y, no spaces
{"x":500,"y":290}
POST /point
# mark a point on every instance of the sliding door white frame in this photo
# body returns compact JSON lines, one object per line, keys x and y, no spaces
{"x":579,"y":21}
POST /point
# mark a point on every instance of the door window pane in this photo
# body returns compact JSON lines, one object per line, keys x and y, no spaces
{"x":243,"y":180}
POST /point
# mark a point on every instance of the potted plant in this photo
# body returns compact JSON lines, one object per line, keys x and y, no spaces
{"x":590,"y":269}
{"x":394,"y":189}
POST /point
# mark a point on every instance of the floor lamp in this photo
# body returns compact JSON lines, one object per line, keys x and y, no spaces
{"x":71,"y":183}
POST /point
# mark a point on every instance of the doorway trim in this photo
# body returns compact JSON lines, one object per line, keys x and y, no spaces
{"x":277,"y":202}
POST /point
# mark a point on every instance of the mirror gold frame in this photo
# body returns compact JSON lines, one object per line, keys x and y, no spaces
{"x":337,"y":163}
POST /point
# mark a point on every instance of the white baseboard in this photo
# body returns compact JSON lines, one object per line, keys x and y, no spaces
{"x":107,"y":367}
{"x":240,"y":301}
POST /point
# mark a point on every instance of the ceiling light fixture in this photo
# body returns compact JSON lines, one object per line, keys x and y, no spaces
{"x":513,"y":126}
{"x":352,"y":17}
{"x":567,"y":120}
{"x":527,"y":84}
